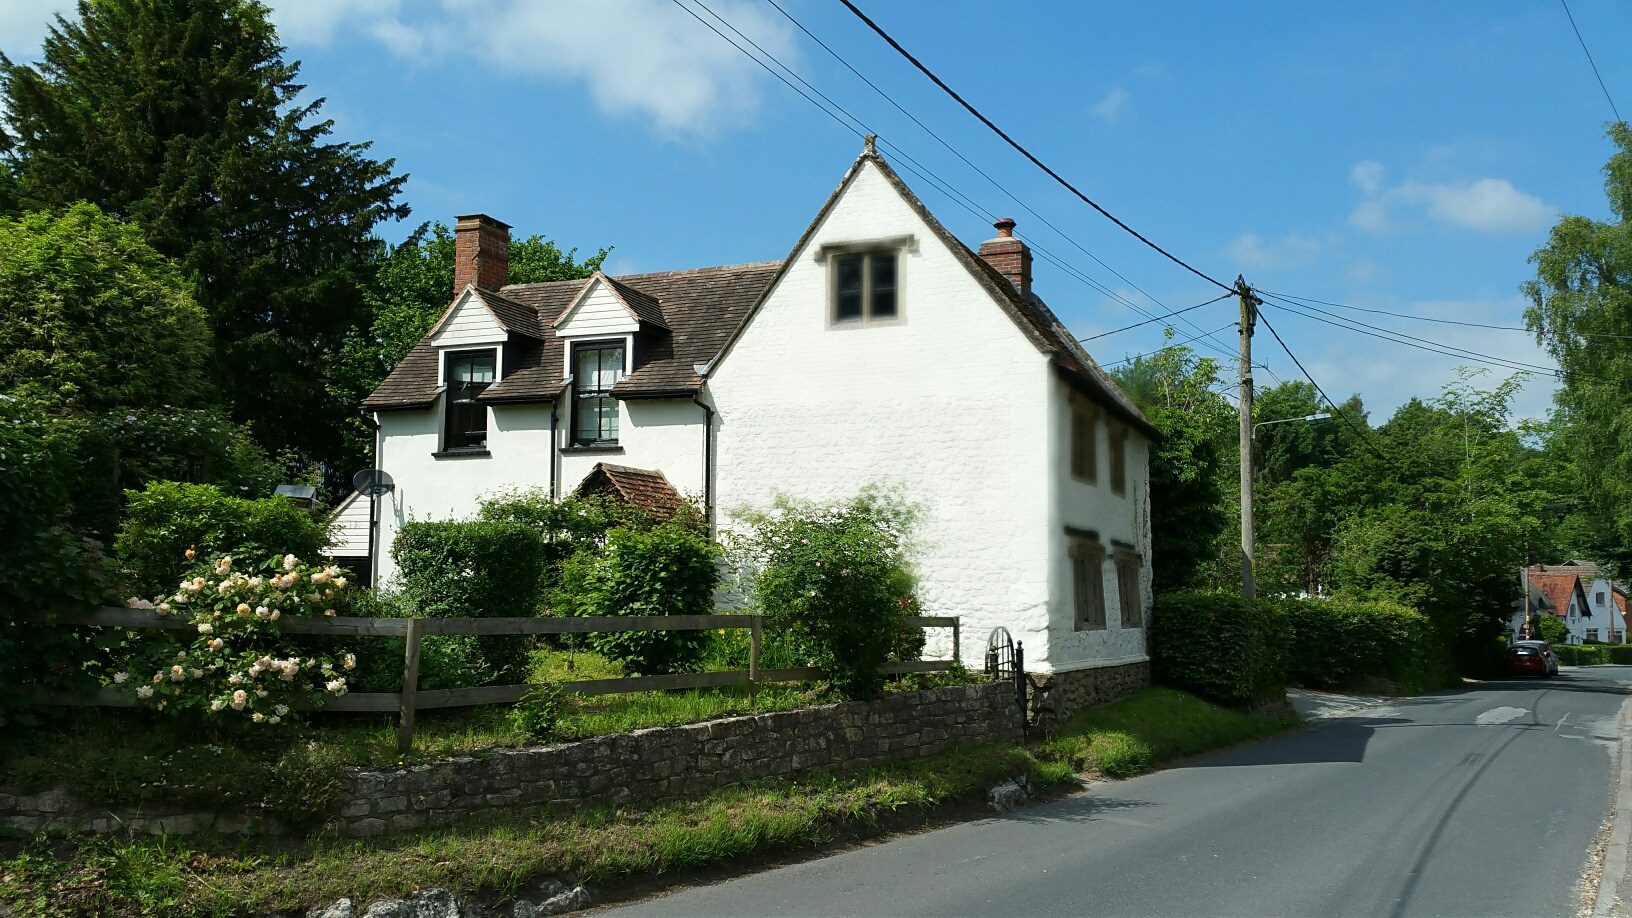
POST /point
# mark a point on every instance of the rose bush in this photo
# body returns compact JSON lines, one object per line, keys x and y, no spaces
{"x":239,"y":663}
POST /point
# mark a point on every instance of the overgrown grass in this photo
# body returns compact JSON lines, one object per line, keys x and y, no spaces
{"x":167,"y":877}
{"x":1147,"y":729}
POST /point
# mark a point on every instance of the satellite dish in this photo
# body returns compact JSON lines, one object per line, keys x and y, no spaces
{"x":373,"y":482}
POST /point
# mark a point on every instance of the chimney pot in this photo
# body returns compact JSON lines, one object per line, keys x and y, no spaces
{"x":1009,"y":255}
{"x":481,"y":253}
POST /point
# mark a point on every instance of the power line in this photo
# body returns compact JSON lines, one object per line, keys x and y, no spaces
{"x":1156,"y":319}
{"x":1364,"y":435}
{"x":1590,"y":61}
{"x":1166,"y":347}
{"x":1422,"y":344}
{"x":988,"y":177}
{"x":1024,"y":152}
{"x":1407,"y":315}
{"x":915,"y":167}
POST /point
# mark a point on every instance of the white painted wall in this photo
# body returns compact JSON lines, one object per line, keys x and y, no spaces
{"x":952,"y":402}
{"x":598,"y":310}
{"x":664,"y":435}
{"x":350,"y":522}
{"x":449,"y":487}
{"x":469,"y":324}
{"x":1119,"y":517}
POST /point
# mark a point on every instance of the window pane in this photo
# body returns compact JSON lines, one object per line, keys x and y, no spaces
{"x":589,"y":419}
{"x":611,"y":367}
{"x":883,"y":286}
{"x":465,"y":419}
{"x":847,"y":295}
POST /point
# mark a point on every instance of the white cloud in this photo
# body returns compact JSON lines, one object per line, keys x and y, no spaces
{"x":1249,"y":250}
{"x":23,"y":24}
{"x":1488,"y":205}
{"x":1111,"y":107}
{"x":646,"y":58}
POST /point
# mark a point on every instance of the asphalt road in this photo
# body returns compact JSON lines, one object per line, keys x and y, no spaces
{"x":1480,"y":802}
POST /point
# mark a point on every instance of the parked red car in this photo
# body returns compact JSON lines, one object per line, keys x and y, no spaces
{"x":1532,"y":658}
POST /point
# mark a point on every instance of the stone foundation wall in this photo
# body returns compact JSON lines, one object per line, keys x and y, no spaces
{"x":666,"y":763}
{"x":1086,"y":688}
{"x":646,"y":766}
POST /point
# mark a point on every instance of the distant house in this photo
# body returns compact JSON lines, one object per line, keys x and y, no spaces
{"x":1590,"y":605}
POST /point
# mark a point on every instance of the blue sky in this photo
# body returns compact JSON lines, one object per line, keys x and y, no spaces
{"x":1397,"y":156}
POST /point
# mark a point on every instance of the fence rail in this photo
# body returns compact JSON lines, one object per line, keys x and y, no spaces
{"x":412,"y":698}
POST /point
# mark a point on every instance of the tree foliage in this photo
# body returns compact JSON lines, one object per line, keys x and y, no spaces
{"x":183,"y":118}
{"x":1191,"y":466}
{"x":1581,"y":312}
{"x":91,"y":318}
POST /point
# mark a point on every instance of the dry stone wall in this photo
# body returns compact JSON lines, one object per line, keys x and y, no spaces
{"x":666,"y":763}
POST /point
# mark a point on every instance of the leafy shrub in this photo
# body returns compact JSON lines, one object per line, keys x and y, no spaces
{"x":238,"y":661}
{"x":1334,"y":641}
{"x":1620,"y":654}
{"x":1584,"y":654}
{"x":1551,"y":629}
{"x":835,"y":582}
{"x":46,"y":563}
{"x":446,"y":661}
{"x":1218,"y":645}
{"x":168,"y":518}
{"x":538,"y":711}
{"x":475,"y":569}
{"x":669,"y":569}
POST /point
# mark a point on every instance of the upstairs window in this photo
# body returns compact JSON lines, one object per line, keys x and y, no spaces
{"x":1084,"y":449}
{"x":469,"y":373}
{"x":1598,"y":597}
{"x":596,"y":368}
{"x":1088,"y":584}
{"x":1127,"y":588}
{"x":1119,"y":458}
{"x":865,"y":288}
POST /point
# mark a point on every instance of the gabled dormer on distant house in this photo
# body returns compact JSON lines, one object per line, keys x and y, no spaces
{"x":1577,"y":595}
{"x":881,"y":349}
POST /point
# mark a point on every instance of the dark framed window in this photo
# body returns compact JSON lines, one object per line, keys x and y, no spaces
{"x":1119,"y":458}
{"x":468,"y":375}
{"x":866,"y":288}
{"x":1127,"y":588}
{"x":1088,"y":584}
{"x":596,"y":368}
{"x":1084,"y":448}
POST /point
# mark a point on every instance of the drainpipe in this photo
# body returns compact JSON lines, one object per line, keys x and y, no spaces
{"x":373,"y":423}
{"x":708,"y":460}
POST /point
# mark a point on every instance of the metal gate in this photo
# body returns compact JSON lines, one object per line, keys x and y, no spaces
{"x":1006,"y":660}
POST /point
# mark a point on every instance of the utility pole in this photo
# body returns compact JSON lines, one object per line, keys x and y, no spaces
{"x":1249,"y":318}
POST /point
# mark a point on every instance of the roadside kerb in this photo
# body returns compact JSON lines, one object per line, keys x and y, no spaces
{"x":1620,"y":833}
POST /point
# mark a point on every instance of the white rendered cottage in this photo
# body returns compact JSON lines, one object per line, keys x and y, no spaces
{"x":880,"y":349}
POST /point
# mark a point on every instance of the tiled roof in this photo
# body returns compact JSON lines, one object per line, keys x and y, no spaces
{"x":412,"y":384}
{"x":515,"y":317}
{"x":645,"y":305}
{"x":1557,"y":586}
{"x":695,"y":311}
{"x":640,"y":487}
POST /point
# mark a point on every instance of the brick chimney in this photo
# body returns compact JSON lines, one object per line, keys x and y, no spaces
{"x":1010,"y":256}
{"x":481,"y":253}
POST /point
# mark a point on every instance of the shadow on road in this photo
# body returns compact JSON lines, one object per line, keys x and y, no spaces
{"x":1082,"y":808}
{"x":1340,"y":739}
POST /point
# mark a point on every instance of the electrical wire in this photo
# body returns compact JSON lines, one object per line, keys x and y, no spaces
{"x":1165,"y":347}
{"x":1363,"y":434}
{"x":1407,"y":315}
{"x":860,"y":128}
{"x":1027,"y":153}
{"x":1156,"y":319}
{"x":1590,"y":61}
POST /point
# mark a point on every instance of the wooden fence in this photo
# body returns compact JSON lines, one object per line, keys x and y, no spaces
{"x":411,"y":699}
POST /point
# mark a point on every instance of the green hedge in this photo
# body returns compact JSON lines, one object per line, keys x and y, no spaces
{"x":1218,"y":645}
{"x":1336,"y":641}
{"x":1594,"y":654}
{"x":169,"y":517}
{"x":475,"y":569}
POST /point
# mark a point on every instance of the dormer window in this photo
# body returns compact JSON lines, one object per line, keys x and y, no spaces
{"x":596,"y":368}
{"x":866,"y":288}
{"x":469,"y":373}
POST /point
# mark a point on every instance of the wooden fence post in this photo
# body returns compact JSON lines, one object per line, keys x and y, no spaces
{"x":753,"y":660}
{"x":410,"y":687}
{"x":957,"y":642}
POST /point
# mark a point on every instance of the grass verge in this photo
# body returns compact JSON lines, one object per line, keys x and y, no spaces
{"x":1155,"y":726}
{"x":172,"y":877}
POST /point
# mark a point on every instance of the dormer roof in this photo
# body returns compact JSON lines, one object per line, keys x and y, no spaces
{"x":641,"y":307}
